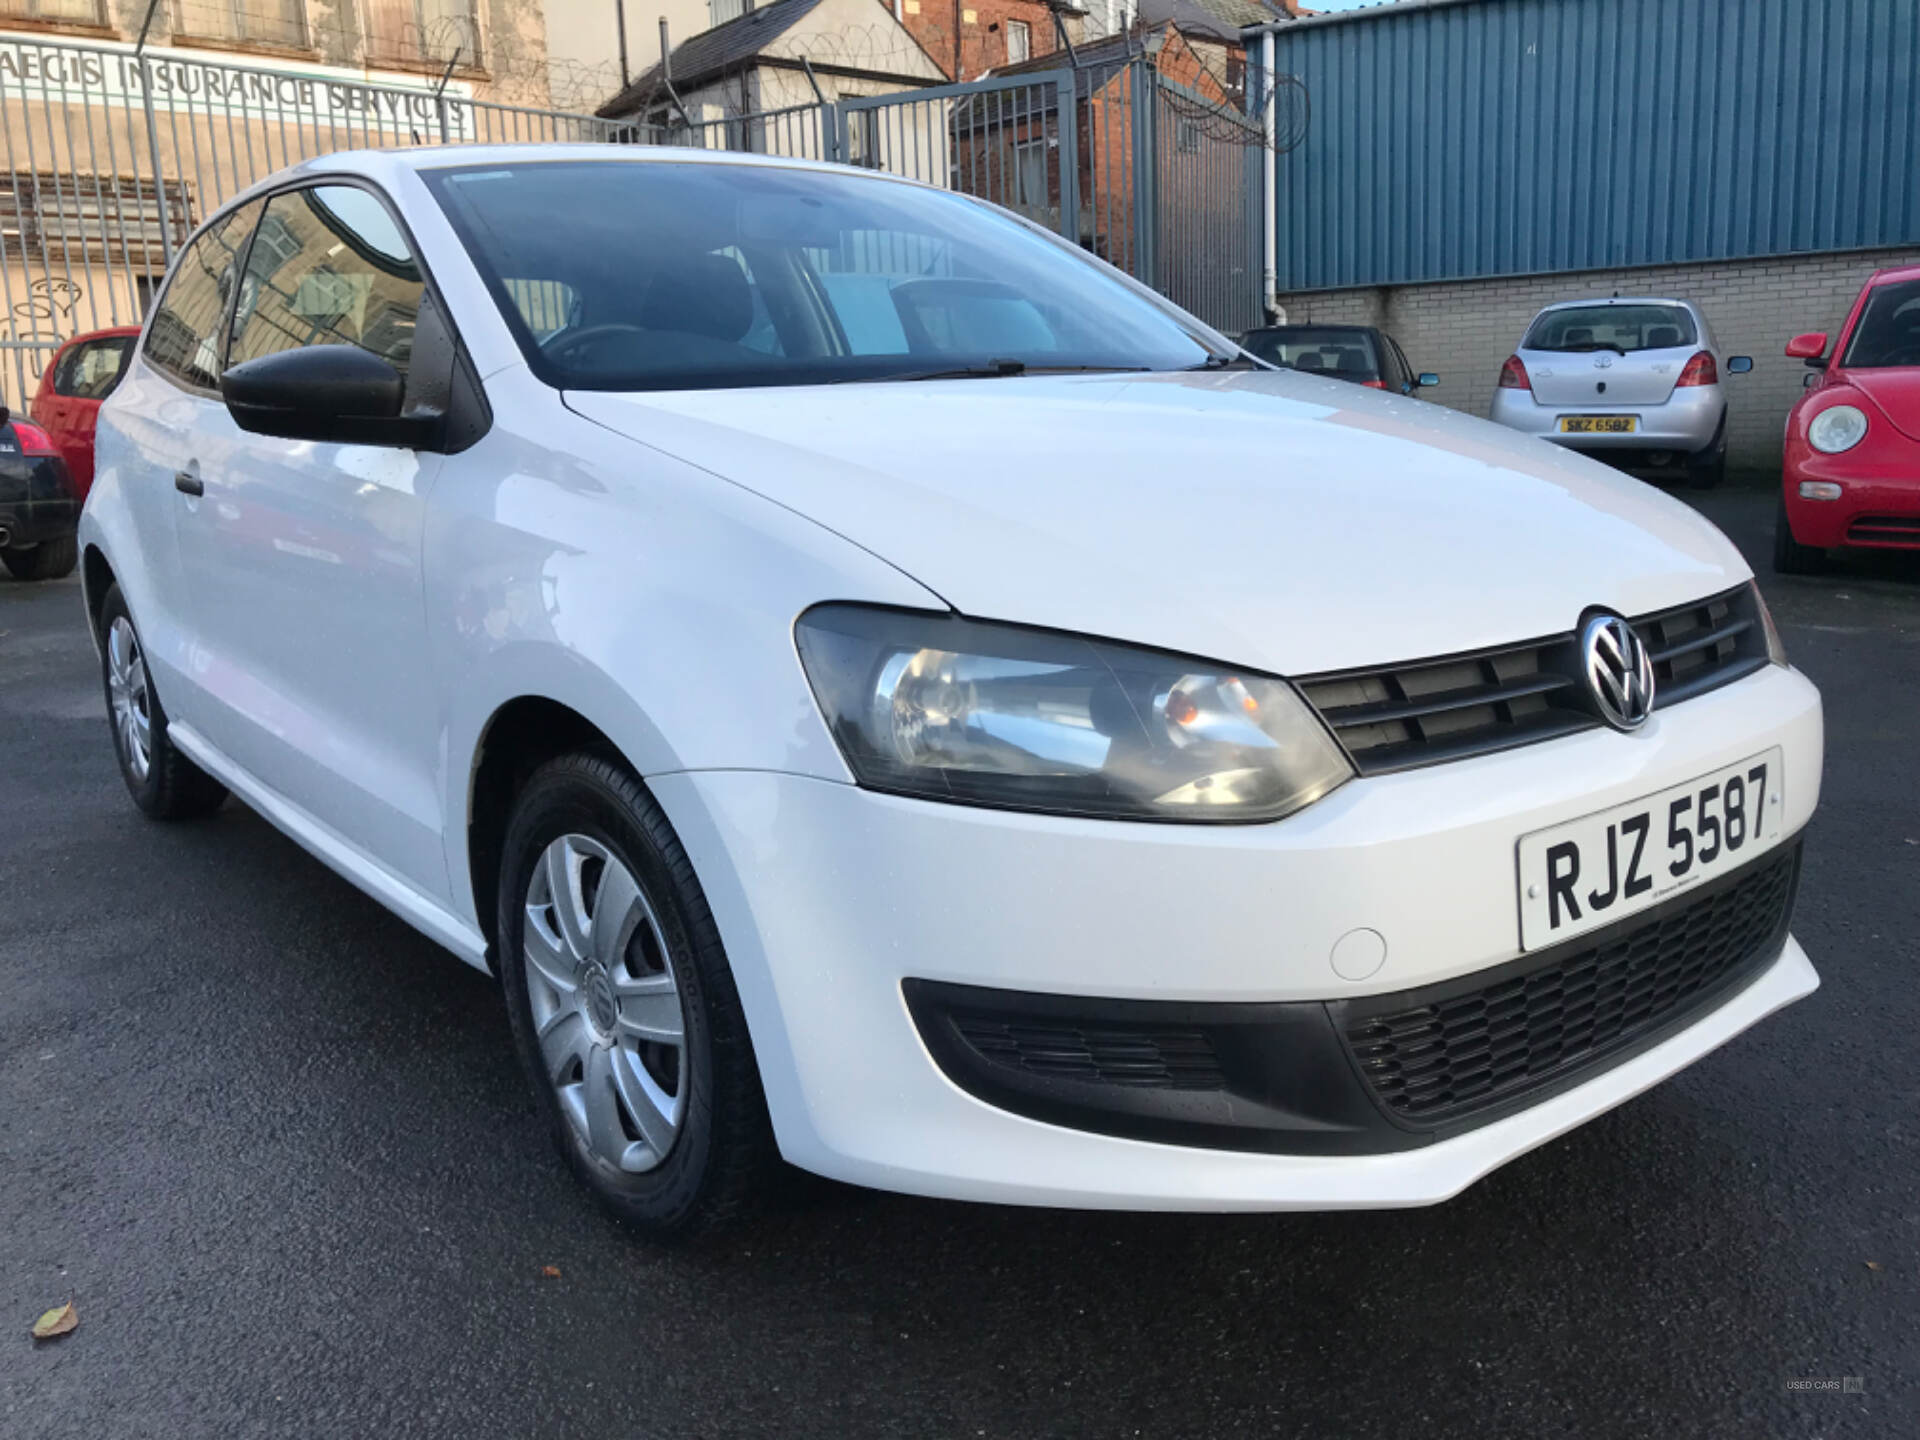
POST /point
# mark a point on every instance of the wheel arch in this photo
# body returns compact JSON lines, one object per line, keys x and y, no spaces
{"x":96,"y":577}
{"x":519,"y":736}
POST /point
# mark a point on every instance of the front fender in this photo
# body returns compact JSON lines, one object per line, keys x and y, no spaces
{"x":654,"y":599}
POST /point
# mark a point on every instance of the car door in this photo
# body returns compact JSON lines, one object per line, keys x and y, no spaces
{"x":85,"y":374}
{"x":305,"y":558}
{"x":1402,"y":377}
{"x":166,"y":416}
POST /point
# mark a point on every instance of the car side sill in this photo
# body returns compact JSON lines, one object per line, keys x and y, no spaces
{"x":348,"y":861}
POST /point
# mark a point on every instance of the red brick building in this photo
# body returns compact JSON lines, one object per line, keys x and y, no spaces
{"x":967,"y":38}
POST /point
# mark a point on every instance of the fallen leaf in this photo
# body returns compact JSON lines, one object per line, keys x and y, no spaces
{"x":56,"y":1322}
{"x":1873,"y":1264}
{"x":552,"y":1272}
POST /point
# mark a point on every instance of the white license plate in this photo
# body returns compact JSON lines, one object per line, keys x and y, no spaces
{"x":1605,"y":867}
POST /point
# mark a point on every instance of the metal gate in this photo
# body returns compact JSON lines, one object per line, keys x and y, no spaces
{"x":1206,"y":184}
{"x":109,"y":157}
{"x":1151,"y":176}
{"x":1011,"y":140}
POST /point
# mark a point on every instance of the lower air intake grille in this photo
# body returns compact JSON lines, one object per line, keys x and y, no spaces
{"x":1550,"y":1014}
{"x":1153,"y":1058}
{"x":1885,"y":530}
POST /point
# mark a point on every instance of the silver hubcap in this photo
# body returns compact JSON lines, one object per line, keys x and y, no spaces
{"x":127,"y":687}
{"x":606,"y":1006}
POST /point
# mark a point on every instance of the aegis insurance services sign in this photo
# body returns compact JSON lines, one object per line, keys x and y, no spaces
{"x":189,"y":81}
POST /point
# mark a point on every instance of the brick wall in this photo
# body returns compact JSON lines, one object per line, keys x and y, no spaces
{"x":983,"y":31}
{"x":1464,"y":329}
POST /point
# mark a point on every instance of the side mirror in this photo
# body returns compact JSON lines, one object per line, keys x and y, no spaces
{"x":339,"y":394}
{"x":1809,"y":347}
{"x":1739,"y":364}
{"x":1427,"y":377}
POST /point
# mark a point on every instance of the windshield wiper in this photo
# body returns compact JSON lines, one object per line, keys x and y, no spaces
{"x":1224,"y":362}
{"x":998,"y":369}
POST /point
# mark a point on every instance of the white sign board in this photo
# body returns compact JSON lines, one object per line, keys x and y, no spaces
{"x":186,"y":82}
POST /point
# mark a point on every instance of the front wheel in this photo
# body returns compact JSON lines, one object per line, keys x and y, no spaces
{"x":165,"y":784}
{"x":1790,"y":557}
{"x":622,"y":1005}
{"x":49,"y":560}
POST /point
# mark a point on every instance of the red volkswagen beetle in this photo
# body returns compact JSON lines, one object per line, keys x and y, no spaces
{"x":83,"y":372}
{"x":1852,"y":472}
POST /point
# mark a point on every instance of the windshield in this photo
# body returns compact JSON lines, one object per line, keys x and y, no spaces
{"x":1624,"y":328}
{"x":1344,"y":353}
{"x":658,"y":275}
{"x":1889,"y":330}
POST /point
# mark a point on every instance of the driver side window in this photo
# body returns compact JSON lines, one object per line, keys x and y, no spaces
{"x":329,"y":266}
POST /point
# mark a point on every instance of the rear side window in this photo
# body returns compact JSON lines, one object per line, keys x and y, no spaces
{"x":1889,"y":330}
{"x":329,"y":267}
{"x":184,"y":338}
{"x":90,"y":370}
{"x":1318,"y":350}
{"x":1624,"y":328}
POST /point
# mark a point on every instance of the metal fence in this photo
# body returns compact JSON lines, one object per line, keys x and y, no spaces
{"x":110,"y":158}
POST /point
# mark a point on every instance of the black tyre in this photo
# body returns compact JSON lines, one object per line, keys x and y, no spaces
{"x":49,"y":560}
{"x":1708,"y":467}
{"x":1790,"y":557}
{"x":164,"y":783}
{"x":622,"y":1005}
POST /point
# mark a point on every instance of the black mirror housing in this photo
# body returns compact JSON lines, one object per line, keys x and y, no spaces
{"x":1739,"y":364}
{"x":338,"y":394}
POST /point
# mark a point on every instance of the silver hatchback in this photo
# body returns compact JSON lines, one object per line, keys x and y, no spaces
{"x":1632,"y":381}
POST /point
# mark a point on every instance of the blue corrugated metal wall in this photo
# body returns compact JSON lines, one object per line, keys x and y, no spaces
{"x":1509,"y":137}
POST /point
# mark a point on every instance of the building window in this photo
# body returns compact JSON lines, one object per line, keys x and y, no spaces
{"x":74,"y":12}
{"x":721,"y":11}
{"x":1030,"y":176}
{"x":1019,"y":42}
{"x":424,"y":32}
{"x":260,"y":22}
{"x":79,"y":216}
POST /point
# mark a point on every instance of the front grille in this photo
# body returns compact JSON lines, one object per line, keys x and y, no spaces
{"x":1885,"y":530}
{"x":1153,"y":1058}
{"x":1546,"y":1016}
{"x":1421,"y":712}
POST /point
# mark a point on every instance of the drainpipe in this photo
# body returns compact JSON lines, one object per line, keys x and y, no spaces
{"x":1270,"y":208}
{"x":620,"y":19}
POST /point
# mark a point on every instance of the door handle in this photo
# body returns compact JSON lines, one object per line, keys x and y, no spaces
{"x":188,"y":484}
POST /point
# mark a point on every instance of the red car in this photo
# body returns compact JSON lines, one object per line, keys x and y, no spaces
{"x":1852,"y":471}
{"x":82,"y":373}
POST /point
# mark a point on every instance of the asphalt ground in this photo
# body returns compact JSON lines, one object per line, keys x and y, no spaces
{"x":273,"y":1144}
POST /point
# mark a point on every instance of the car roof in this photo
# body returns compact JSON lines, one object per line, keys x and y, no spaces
{"x":1308,"y":325}
{"x":1897,"y":272}
{"x":102,"y":333}
{"x":1615,"y":300}
{"x":384,"y":164}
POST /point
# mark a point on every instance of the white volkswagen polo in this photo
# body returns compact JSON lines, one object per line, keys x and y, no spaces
{"x":882,"y":689}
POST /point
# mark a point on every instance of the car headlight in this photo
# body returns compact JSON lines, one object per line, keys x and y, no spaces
{"x":1776,"y":650}
{"x":985,"y":714}
{"x":1837,"y":428}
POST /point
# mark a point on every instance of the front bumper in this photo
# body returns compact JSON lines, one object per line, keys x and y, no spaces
{"x":830,"y":899}
{"x":1686,"y":423}
{"x":36,"y":500}
{"x":1879,"y":504}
